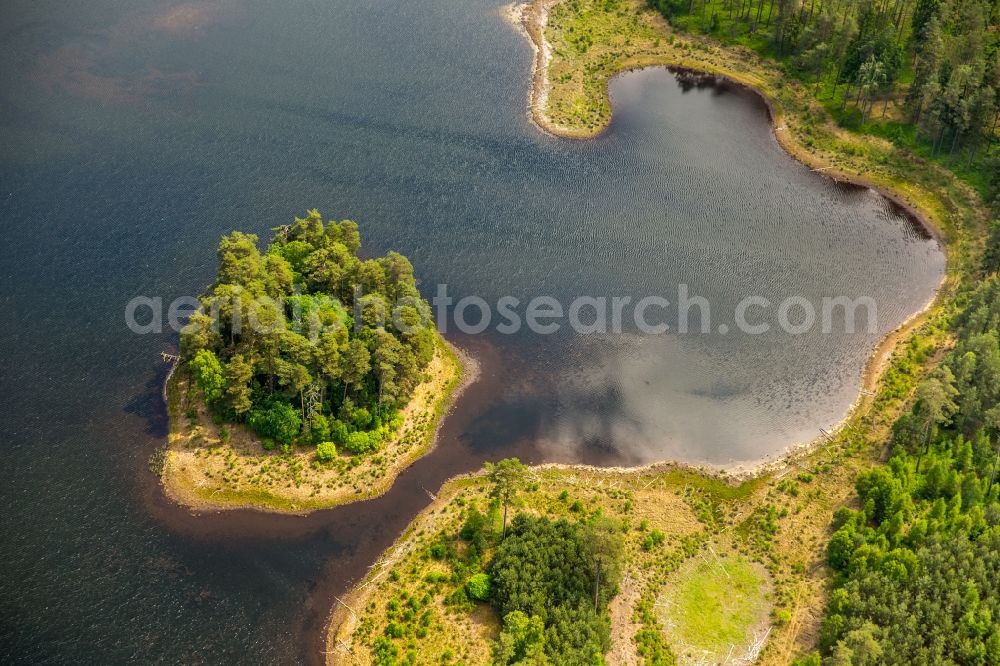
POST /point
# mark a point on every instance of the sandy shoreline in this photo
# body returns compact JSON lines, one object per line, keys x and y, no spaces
{"x":530,"y":19}
{"x":189,"y":475}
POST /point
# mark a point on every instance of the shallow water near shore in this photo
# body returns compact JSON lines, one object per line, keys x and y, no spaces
{"x":132,"y":135}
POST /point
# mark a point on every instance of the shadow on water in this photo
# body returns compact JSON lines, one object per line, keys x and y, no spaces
{"x":148,"y":405}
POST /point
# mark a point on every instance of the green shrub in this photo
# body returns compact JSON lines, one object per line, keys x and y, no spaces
{"x":361,"y":442}
{"x":319,"y":429}
{"x":652,"y":540}
{"x":384,"y":651}
{"x":338,"y":431}
{"x":326,"y":451}
{"x":280,"y":422}
{"x":208,"y":374}
{"x":808,"y":660}
{"x":478,"y":587}
{"x":476,"y":530}
{"x":361,"y":418}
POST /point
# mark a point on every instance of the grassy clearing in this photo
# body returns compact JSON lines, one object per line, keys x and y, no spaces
{"x":714,"y":608}
{"x":202,"y":471}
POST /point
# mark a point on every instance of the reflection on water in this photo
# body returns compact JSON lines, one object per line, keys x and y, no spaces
{"x":132,"y":135}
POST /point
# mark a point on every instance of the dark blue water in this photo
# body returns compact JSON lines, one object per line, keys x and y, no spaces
{"x":133,"y":134}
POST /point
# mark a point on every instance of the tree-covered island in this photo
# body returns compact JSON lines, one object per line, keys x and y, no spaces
{"x":308,"y":378}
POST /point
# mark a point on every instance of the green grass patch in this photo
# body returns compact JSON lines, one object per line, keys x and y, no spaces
{"x":713,"y":605}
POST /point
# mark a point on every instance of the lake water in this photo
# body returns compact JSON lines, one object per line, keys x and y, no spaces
{"x":133,"y":134}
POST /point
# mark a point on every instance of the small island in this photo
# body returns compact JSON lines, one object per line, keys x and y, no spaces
{"x":309,"y":377}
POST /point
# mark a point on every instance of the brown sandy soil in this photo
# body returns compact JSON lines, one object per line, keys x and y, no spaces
{"x":623,"y":628}
{"x":204,"y":474}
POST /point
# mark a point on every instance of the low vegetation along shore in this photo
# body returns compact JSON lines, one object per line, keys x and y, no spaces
{"x":309,"y":378}
{"x":666,"y":565}
{"x":707,"y":569}
{"x":205,"y":473}
{"x":701,"y":569}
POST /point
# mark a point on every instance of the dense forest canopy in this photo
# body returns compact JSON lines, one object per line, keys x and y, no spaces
{"x":939,"y":59}
{"x":552,"y":582}
{"x":918,"y":565}
{"x":307,"y":342}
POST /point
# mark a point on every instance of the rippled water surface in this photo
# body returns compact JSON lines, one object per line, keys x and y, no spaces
{"x":134,"y":134}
